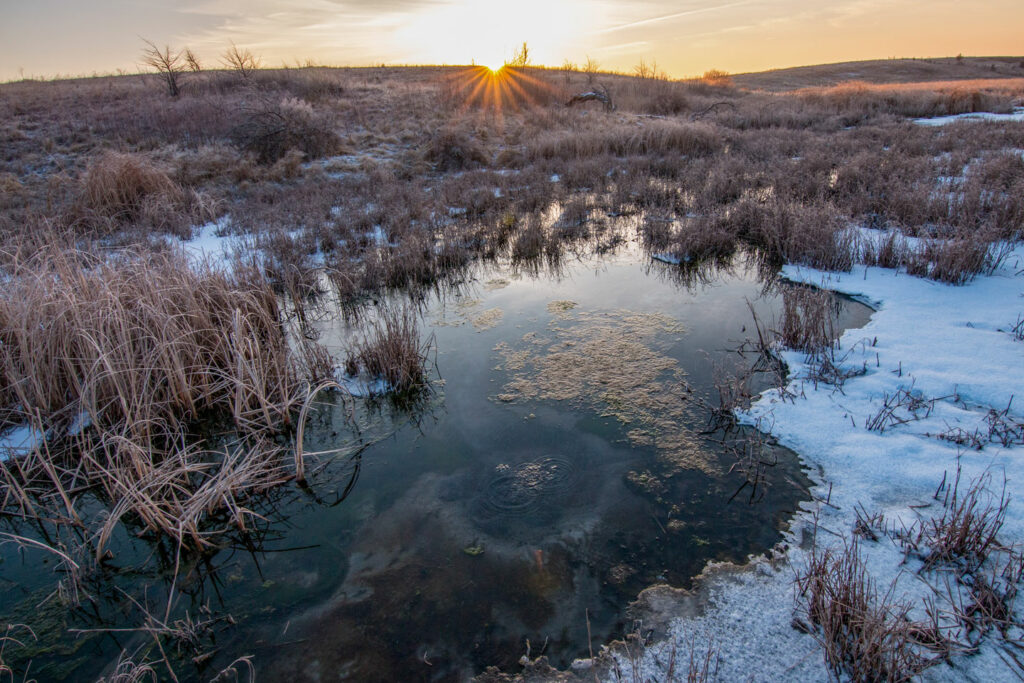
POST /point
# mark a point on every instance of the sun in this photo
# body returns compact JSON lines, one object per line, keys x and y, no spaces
{"x":488,"y":34}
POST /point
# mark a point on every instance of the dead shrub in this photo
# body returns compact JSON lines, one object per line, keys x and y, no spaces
{"x":453,"y":149}
{"x":865,"y":636}
{"x":273,"y":128}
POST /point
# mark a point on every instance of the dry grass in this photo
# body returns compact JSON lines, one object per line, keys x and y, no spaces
{"x":965,"y":534}
{"x":808,"y":320}
{"x":393,"y":351}
{"x":120,"y":189}
{"x":652,"y":137}
{"x":126,"y":357}
{"x":864,"y":634}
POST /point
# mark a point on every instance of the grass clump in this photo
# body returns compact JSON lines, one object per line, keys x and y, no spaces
{"x":864,"y":634}
{"x":392,"y":351}
{"x":808,"y":319}
{"x":120,"y":362}
{"x":119,"y":189}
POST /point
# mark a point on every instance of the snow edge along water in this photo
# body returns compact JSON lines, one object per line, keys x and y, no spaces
{"x":934,"y":339}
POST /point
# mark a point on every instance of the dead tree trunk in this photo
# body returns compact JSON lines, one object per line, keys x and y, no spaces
{"x":600,"y":95}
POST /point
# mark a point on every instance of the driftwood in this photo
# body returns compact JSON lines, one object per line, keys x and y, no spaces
{"x":601,"y":94}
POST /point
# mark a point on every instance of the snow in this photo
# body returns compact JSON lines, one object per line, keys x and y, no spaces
{"x":209,"y":245}
{"x":359,"y":386}
{"x":18,"y":441}
{"x":939,"y":340}
{"x":1016,"y":115}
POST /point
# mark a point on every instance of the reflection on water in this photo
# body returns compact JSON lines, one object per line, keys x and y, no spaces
{"x":560,"y":466}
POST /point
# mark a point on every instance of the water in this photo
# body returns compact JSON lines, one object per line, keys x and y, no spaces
{"x":558,"y":469}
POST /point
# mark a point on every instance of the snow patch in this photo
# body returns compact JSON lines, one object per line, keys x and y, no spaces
{"x":19,"y":441}
{"x":359,"y":386}
{"x":1016,"y":115}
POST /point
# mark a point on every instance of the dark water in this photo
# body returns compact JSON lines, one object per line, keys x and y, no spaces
{"x":494,"y":518}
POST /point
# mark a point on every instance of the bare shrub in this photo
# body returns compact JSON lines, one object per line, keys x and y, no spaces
{"x":241,"y":61}
{"x":273,"y":128}
{"x":521,"y":58}
{"x":454,"y":149}
{"x":170,"y":65}
{"x":865,"y":635}
{"x":717,"y":77}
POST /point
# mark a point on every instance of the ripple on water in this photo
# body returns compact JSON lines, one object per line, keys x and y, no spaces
{"x":528,"y":491}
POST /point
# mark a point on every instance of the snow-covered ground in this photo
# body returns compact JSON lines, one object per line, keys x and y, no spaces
{"x":1016,"y":115}
{"x":210,"y":243}
{"x":937,"y":341}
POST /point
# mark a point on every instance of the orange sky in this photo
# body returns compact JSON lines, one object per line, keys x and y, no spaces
{"x":41,"y":38}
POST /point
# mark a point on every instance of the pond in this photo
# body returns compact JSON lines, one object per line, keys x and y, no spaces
{"x":562,"y":463}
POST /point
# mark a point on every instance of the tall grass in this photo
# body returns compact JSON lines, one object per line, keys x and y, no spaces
{"x":119,"y":189}
{"x":392,"y":350}
{"x":120,"y":360}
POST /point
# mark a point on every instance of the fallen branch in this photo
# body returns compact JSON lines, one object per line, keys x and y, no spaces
{"x":601,"y":94}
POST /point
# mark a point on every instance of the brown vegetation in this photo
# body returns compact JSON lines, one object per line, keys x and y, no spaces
{"x":394,"y":179}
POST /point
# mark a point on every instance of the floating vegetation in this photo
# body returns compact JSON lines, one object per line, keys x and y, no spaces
{"x":615,"y":363}
{"x":561,"y":307}
{"x":487,"y":320}
{"x":467,"y":311}
{"x":496,"y":284}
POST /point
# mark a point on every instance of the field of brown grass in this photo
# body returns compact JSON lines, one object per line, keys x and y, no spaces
{"x":884,"y":71}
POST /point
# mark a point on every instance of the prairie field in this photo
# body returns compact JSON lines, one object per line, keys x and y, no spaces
{"x":202,"y":291}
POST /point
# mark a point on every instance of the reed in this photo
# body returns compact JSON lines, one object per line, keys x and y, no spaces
{"x":119,"y":361}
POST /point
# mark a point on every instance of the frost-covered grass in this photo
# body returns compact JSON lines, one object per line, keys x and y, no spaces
{"x":951,"y":350}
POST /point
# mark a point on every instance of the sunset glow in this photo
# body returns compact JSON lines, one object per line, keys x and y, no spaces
{"x":684,"y":37}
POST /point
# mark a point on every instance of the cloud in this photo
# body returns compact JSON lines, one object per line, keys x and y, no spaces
{"x":674,"y":15}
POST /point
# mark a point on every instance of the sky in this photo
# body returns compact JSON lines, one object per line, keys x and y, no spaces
{"x":45,"y":38}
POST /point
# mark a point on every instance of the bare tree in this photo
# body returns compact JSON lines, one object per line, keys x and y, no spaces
{"x":192,"y":61}
{"x":521,"y":57}
{"x":649,"y":71}
{"x":591,"y":67}
{"x":170,"y":65}
{"x":244,"y":62}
